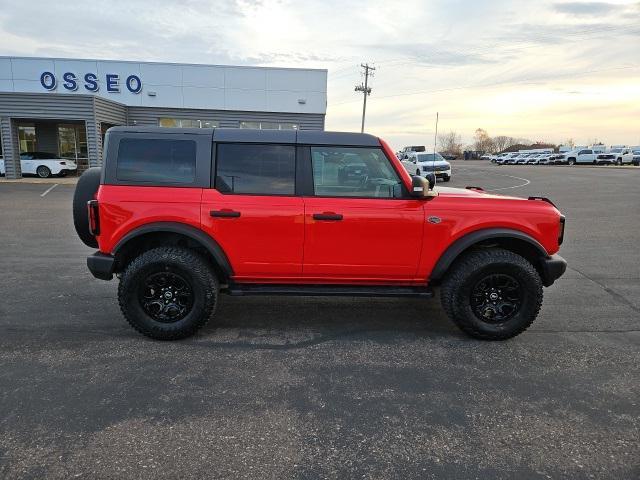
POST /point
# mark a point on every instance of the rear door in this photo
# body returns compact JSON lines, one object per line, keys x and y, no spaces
{"x":359,"y":223}
{"x":253,"y":211}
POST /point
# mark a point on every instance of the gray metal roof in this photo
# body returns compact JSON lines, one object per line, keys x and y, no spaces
{"x":306,"y":137}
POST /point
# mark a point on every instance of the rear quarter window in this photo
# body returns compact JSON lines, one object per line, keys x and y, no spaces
{"x":156,"y":161}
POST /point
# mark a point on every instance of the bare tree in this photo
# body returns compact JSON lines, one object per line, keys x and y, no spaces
{"x":502,"y":142}
{"x":482,"y":141}
{"x":450,"y":143}
{"x":570,"y":142}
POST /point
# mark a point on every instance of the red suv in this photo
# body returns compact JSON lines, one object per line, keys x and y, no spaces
{"x":181,"y":215}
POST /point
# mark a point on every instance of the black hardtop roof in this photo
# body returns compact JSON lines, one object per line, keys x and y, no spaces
{"x":308,"y":137}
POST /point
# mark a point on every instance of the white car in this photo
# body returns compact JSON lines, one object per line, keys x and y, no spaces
{"x":585,"y":155}
{"x":43,"y":165}
{"x":622,"y":155}
{"x":546,"y":158}
{"x":423,"y":163}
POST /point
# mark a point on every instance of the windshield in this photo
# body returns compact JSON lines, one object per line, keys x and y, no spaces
{"x":428,"y":157}
{"x":615,"y":150}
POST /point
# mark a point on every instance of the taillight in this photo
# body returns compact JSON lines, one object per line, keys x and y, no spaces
{"x":561,"y":234}
{"x":94,"y":217}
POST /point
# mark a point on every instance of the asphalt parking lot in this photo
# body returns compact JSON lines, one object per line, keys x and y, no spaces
{"x":325,"y":388}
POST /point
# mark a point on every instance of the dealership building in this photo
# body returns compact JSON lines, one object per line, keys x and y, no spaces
{"x":65,"y":106}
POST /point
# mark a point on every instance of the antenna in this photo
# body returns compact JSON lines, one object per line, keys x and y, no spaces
{"x":435,"y":139}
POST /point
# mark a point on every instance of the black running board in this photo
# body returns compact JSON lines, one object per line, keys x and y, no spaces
{"x":240,"y":289}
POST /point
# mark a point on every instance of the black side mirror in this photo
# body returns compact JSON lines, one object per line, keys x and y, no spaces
{"x":421,"y":187}
{"x":431,"y":178}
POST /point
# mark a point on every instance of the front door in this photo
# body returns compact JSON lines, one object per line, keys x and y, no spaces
{"x":359,"y":224}
{"x":253,"y":212}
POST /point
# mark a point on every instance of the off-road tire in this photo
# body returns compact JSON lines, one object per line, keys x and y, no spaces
{"x":455,"y":294}
{"x":86,"y":189}
{"x":193,"y":268}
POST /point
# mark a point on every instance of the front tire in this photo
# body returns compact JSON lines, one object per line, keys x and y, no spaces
{"x":571,"y":161}
{"x":446,"y":179}
{"x":168,"y":293}
{"x":492,"y":294}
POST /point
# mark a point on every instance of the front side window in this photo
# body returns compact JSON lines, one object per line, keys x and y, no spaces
{"x":156,"y":161}
{"x":353,"y":172}
{"x":256,"y":169}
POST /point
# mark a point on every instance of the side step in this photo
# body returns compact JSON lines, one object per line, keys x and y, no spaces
{"x":239,"y":289}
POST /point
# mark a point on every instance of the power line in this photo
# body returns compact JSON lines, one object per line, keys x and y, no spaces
{"x":365,"y":89}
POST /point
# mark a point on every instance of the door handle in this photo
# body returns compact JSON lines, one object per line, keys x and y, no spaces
{"x":224,"y":213}
{"x":331,"y":217}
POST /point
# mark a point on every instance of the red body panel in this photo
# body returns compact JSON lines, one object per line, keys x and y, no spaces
{"x":124,"y":208}
{"x":265,"y":241}
{"x":377,"y":238}
{"x":276,"y":239}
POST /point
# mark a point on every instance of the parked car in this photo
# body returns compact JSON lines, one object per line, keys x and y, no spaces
{"x":424,"y":163}
{"x":448,"y":156}
{"x":636,"y":158}
{"x":622,"y":155}
{"x":43,"y":165}
{"x":411,"y":149}
{"x":585,"y":155}
{"x":605,"y":158}
{"x":546,"y":158}
{"x":232,"y":211}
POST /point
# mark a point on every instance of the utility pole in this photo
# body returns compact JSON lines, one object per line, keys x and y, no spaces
{"x":365,"y":89}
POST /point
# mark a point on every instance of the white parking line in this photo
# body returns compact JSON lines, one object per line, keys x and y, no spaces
{"x":49,"y":189}
{"x":526,"y":182}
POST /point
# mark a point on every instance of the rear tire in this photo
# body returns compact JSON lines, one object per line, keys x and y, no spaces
{"x":492,"y":294}
{"x":168,"y":293}
{"x":43,"y":171}
{"x":571,"y":161}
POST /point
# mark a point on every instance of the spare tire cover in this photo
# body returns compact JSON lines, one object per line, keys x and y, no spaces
{"x":86,"y":189}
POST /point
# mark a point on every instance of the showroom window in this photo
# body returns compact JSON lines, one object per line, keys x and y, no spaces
{"x":156,"y":161}
{"x":353,"y":172}
{"x":72,"y":143}
{"x":256,"y":169}
{"x":27,"y":137}
{"x":187,"y":123}
{"x":269,"y":125}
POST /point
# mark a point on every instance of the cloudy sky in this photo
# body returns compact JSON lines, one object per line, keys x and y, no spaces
{"x":540,"y":69}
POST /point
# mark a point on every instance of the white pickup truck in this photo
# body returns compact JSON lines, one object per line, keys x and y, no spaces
{"x":43,"y":165}
{"x":585,"y":155}
{"x":622,"y":155}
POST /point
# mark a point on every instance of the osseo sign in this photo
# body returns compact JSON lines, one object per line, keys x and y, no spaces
{"x":90,"y":82}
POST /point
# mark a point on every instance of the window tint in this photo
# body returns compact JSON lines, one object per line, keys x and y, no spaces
{"x":353,"y":172}
{"x":156,"y":161}
{"x":256,"y":169}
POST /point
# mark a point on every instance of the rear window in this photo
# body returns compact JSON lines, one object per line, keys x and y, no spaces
{"x":156,"y":161}
{"x":256,"y":169}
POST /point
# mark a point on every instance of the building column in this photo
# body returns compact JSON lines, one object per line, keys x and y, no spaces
{"x":94,"y":142}
{"x":10,"y":148}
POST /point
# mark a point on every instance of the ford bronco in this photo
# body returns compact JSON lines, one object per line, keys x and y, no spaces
{"x":182,"y":215}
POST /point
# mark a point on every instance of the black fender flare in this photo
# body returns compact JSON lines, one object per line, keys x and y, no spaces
{"x":473,"y":238}
{"x":195,"y":234}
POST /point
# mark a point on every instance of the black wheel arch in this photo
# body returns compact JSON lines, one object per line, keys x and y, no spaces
{"x":171,"y":233}
{"x":513,"y":240}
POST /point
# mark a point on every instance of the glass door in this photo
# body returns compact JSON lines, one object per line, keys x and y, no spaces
{"x":72,"y":144}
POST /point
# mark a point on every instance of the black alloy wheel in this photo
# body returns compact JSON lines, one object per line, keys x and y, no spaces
{"x":496,"y":298}
{"x":166,"y":296}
